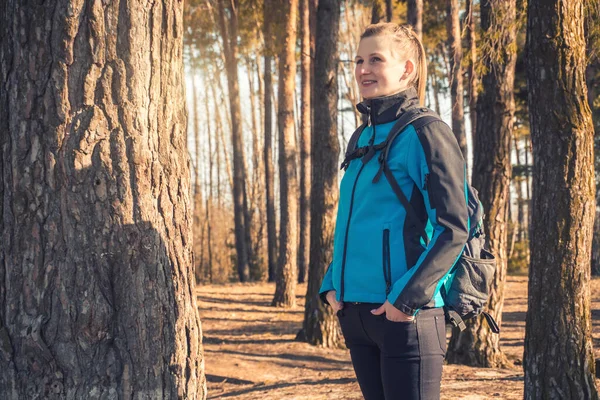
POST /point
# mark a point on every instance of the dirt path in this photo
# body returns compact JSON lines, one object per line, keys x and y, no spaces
{"x":250,"y":352}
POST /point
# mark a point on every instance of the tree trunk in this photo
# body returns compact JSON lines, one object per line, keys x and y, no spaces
{"x":388,"y":10}
{"x":268,"y":146}
{"x":287,"y":263}
{"x":471,"y":72}
{"x":96,"y":277}
{"x":414,"y":16}
{"x":198,"y":222}
{"x":262,"y":210}
{"x":518,"y":181}
{"x":558,"y":358}
{"x":209,"y":197}
{"x":320,"y":324}
{"x":378,"y":11}
{"x":435,"y":84}
{"x":305,"y":127}
{"x":456,"y":80}
{"x":477,"y":345}
{"x":228,"y":27}
{"x":255,"y":198}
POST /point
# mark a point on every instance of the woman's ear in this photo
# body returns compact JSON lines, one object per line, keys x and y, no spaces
{"x":409,"y":68}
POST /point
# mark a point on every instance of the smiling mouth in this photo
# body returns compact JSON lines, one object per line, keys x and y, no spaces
{"x":368,"y":82}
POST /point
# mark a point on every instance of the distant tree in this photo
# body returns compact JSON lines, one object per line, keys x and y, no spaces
{"x":306,"y":51}
{"x":558,"y":359}
{"x":228,"y":25}
{"x":287,"y":263}
{"x":268,"y":140}
{"x":471,"y":69}
{"x":414,"y":16}
{"x":456,"y":80}
{"x":379,"y":11}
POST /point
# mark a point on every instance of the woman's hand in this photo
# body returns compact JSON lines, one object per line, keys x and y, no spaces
{"x":336,"y":305}
{"x":392,"y":313}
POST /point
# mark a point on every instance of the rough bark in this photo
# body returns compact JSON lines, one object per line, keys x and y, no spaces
{"x":320,"y":324}
{"x":477,"y":345}
{"x":558,"y":358}
{"x":305,"y":127}
{"x":414,"y":16}
{"x":228,"y":28}
{"x":456,"y":79}
{"x":268,"y":145}
{"x":287,"y":262}
{"x":96,"y":278}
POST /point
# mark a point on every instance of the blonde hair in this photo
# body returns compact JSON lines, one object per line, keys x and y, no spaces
{"x":406,"y":38}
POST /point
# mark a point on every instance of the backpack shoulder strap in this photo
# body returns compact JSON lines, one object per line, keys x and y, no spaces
{"x":352,"y":144}
{"x":418,"y":117}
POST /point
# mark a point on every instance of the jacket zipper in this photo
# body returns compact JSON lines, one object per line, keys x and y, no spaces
{"x":347,"y":230}
{"x":387,"y":268}
{"x":350,"y":214}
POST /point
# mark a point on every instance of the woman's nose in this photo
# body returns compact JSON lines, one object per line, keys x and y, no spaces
{"x":363,"y":69}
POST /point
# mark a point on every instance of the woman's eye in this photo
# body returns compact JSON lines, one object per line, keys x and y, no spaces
{"x":375,"y":59}
{"x":358,"y":61}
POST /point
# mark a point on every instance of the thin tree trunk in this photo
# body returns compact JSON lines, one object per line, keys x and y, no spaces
{"x":304,"y":247}
{"x":456,"y":80}
{"x":477,"y":345}
{"x":518,"y":180}
{"x":414,"y":16}
{"x":320,"y":325}
{"x":471,"y":72}
{"x":558,"y":358}
{"x":228,"y":27}
{"x":268,"y":146}
{"x":209,"y":197}
{"x":528,"y":152}
{"x":198,"y":226}
{"x":96,"y":276}
{"x":388,"y":10}
{"x":436,"y":92}
{"x":262,"y":211}
{"x":254,"y":198}
{"x":378,"y":11}
{"x":221,"y":143}
{"x":287,"y":263}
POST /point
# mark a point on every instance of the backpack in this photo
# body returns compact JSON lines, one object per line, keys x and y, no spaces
{"x":467,"y":286}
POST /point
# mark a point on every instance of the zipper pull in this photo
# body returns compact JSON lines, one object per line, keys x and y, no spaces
{"x":368,"y":116}
{"x":426,"y":184}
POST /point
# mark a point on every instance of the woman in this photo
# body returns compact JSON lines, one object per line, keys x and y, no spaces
{"x":384,"y":280}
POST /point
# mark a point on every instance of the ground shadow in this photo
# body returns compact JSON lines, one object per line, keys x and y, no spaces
{"x":260,"y":387}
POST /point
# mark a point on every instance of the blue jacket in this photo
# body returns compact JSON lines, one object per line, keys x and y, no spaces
{"x":373,"y":236}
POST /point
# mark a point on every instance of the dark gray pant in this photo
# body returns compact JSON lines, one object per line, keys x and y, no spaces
{"x":395,"y":360}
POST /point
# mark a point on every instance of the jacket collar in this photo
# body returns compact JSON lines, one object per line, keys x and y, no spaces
{"x":386,"y":109}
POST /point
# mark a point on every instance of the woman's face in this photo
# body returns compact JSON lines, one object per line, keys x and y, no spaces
{"x":380,"y":70}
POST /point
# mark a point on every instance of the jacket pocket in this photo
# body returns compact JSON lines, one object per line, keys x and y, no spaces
{"x":386,"y":259}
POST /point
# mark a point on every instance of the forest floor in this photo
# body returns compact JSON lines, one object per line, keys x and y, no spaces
{"x":250,"y":352}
